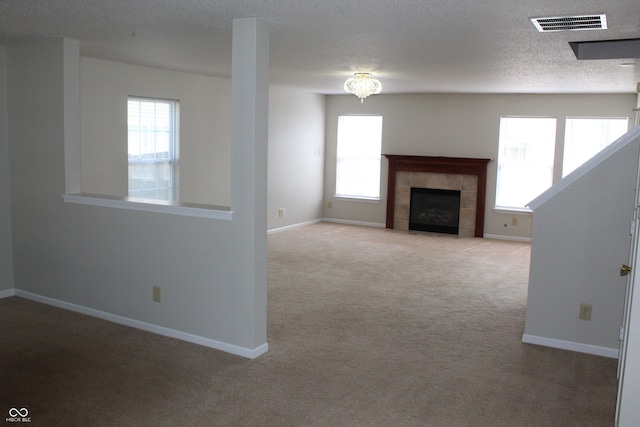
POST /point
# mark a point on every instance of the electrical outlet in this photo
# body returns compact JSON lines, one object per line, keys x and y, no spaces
{"x":282,"y":212}
{"x":514,"y":220}
{"x":157,"y":293}
{"x":329,"y":204}
{"x":585,"y":311}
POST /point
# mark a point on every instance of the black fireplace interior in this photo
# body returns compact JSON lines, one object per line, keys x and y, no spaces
{"x":434,"y":210}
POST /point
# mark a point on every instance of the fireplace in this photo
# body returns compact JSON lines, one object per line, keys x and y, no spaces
{"x":467,"y":175}
{"x":434,"y":210}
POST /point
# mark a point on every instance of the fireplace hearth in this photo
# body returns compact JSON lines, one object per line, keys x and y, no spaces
{"x":434,"y":210}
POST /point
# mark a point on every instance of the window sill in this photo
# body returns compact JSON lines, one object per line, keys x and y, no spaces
{"x":156,"y":206}
{"x":358,"y":199}
{"x":513,"y":211}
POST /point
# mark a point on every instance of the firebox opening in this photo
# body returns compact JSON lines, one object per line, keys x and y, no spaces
{"x":434,"y":210}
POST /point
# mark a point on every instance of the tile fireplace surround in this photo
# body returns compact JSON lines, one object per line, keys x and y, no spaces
{"x":446,"y":173}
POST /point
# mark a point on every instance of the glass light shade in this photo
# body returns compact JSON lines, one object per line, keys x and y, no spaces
{"x":362,"y":85}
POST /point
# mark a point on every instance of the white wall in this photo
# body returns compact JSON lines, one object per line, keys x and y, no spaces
{"x":581,"y":237}
{"x":296,"y":156}
{"x":455,"y":125}
{"x":108,"y":259}
{"x":205,"y":128}
{"x":6,"y":257}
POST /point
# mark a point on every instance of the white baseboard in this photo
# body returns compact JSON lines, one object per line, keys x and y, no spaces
{"x":349,"y":222}
{"x":570,"y":345}
{"x":8,"y":293}
{"x":160,"y":330}
{"x":511,"y":238}
{"x":291,"y":227}
{"x":382,"y":225}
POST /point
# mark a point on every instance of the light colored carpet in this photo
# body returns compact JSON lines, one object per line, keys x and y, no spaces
{"x":366,"y":327}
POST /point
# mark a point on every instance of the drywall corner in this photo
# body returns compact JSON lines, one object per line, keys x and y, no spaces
{"x":6,"y":240}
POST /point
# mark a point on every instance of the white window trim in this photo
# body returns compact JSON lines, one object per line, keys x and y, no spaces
{"x":524,"y":210}
{"x":149,"y":205}
{"x":514,"y":211}
{"x":357,"y":198}
{"x":174,"y":146}
{"x":564,"y":140}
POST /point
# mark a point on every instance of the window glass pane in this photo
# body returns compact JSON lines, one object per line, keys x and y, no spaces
{"x":151,"y":147}
{"x":358,"y":156}
{"x":585,"y":137}
{"x":525,"y":159}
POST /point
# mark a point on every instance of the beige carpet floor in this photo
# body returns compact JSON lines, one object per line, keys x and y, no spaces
{"x":366,"y":327}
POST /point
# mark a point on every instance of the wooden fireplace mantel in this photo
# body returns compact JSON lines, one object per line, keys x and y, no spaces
{"x":453,"y":165}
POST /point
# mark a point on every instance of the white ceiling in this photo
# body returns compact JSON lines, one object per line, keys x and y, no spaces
{"x":410,"y":45}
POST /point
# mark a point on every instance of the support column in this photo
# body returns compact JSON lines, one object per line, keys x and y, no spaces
{"x":250,"y":104}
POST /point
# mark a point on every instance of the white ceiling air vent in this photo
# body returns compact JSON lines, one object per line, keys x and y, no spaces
{"x":571,"y":23}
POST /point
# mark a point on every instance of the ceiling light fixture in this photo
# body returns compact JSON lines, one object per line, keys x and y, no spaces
{"x":362,"y":85}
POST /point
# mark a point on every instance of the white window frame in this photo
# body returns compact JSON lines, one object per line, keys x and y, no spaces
{"x":593,"y":148}
{"x":172,"y":141}
{"x":353,"y":165}
{"x":503,"y":164}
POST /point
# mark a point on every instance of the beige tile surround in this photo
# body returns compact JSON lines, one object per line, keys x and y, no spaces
{"x":467,"y":184}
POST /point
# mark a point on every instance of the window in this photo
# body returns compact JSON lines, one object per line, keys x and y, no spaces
{"x":525,"y":160}
{"x":358,"y":157}
{"x":152,"y":140}
{"x":585,"y":137}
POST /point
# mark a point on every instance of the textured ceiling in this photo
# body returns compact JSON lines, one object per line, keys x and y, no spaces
{"x":410,"y":45}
